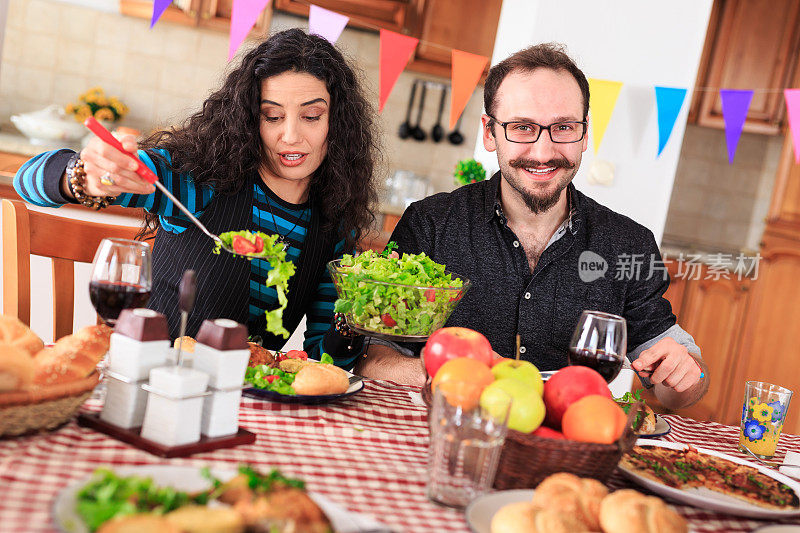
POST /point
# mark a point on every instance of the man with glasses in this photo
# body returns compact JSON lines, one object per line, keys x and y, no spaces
{"x":537,"y":251}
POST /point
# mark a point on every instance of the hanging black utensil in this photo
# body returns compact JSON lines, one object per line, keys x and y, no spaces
{"x":455,"y":136}
{"x":437,"y":134}
{"x":417,"y":132}
{"x":187,"y":292}
{"x":405,"y":128}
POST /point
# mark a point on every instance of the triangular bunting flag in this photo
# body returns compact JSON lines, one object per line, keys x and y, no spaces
{"x":602,"y":101}
{"x":465,"y":75}
{"x":735,"y":104}
{"x":669,"y":101}
{"x":793,"y":113}
{"x":327,"y":24}
{"x":395,"y":51}
{"x":159,"y":6}
{"x":244,"y":14}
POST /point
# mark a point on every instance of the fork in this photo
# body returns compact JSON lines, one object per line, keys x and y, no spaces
{"x":148,"y":175}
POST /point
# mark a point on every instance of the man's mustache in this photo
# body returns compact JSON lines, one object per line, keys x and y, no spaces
{"x":532,"y":163}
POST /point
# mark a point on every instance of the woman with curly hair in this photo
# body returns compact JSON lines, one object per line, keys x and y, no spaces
{"x":286,"y":147}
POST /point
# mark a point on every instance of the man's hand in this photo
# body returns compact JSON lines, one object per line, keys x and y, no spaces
{"x":674,"y":371}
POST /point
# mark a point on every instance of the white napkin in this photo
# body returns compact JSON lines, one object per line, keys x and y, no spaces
{"x":792,"y":458}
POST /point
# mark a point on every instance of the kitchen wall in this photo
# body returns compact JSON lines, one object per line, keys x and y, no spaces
{"x":54,"y":51}
{"x":718,"y":206}
{"x":641,"y":44}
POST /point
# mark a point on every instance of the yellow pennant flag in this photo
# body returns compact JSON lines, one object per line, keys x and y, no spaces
{"x":602,"y":101}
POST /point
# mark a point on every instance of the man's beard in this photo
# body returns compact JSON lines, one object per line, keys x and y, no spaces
{"x":538,"y":204}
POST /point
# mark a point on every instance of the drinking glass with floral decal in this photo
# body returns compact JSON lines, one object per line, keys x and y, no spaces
{"x":763,"y":413}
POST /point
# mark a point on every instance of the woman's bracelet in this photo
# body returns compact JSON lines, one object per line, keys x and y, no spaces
{"x":341,"y":327}
{"x":76,"y":181}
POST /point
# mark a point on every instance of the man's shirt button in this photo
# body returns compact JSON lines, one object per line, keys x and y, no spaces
{"x":516,"y":244}
{"x":522,"y":349}
{"x":527,"y":296}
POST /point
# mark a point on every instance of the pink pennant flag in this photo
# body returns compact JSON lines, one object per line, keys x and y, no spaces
{"x":244,"y":15}
{"x":735,"y":104}
{"x":395,"y":51}
{"x":793,"y":113}
{"x":327,"y":24}
{"x":159,"y":6}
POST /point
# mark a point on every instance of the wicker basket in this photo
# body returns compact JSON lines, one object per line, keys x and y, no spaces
{"x":527,"y":459}
{"x":43,"y":408}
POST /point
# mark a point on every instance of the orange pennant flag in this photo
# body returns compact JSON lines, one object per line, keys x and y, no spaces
{"x":466,"y":73}
{"x":395,"y":51}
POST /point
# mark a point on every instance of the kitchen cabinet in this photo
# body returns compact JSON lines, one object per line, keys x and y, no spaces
{"x":750,"y":44}
{"x":211,"y":14}
{"x":367,"y":14}
{"x":440,"y":25}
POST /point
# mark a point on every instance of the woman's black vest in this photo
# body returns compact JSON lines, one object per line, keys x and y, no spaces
{"x":223,"y":288}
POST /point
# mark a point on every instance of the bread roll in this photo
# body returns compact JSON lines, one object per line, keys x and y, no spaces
{"x":16,"y":368}
{"x":72,"y":357}
{"x":201,"y":519}
{"x":572,"y":495}
{"x":628,"y":511}
{"x":138,"y":523}
{"x":320,"y":378}
{"x":14,"y":332}
{"x":525,"y":517}
{"x":188,"y":344}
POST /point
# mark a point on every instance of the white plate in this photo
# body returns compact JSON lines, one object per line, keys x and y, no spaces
{"x":481,"y":510}
{"x":707,"y":499}
{"x":187,"y":478}
{"x":661,"y":429}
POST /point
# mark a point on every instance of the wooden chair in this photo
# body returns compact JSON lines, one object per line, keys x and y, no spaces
{"x":62,"y":239}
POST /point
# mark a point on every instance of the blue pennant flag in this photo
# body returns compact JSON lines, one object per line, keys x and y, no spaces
{"x":669,"y":101}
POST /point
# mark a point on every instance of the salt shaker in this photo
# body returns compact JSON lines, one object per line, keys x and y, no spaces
{"x":174,"y":405}
{"x":139,"y":343}
{"x":222,"y":351}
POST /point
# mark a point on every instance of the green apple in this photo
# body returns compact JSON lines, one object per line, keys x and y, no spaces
{"x":527,"y":407}
{"x":520,"y":370}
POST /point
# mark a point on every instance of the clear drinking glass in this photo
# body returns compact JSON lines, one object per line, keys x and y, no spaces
{"x":763,"y":413}
{"x":121,"y":277}
{"x":600,"y":342}
{"x":465,"y":442}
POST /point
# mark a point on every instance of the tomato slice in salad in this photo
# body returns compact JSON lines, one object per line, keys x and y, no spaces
{"x":296,"y":354}
{"x":430,"y":295}
{"x":388,"y":320}
{"x":243,"y":246}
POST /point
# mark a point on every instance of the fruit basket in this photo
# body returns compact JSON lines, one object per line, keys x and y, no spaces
{"x":395,"y":311}
{"x":43,"y":408}
{"x":526,"y":459}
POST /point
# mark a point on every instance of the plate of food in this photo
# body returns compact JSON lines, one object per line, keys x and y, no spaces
{"x":294,"y":378}
{"x":481,"y":510}
{"x":711,"y":480}
{"x":653,"y":425}
{"x":184,"y":498}
{"x":397,"y":298}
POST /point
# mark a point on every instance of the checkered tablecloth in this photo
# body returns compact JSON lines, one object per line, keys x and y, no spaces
{"x":367,"y":453}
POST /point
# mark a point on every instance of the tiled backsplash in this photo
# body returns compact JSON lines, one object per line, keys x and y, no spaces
{"x":718,"y":205}
{"x":54,"y":51}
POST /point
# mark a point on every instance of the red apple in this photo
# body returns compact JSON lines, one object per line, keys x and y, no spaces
{"x":547,"y":433}
{"x":567,"y":386}
{"x":449,"y":343}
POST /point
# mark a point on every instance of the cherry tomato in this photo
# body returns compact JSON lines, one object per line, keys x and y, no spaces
{"x":243,"y":246}
{"x":296,"y":354}
{"x":388,"y":320}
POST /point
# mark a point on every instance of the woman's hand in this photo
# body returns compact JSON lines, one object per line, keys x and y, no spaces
{"x":118,"y":171}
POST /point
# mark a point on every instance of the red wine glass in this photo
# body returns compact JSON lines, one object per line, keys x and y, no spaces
{"x":600,"y":342}
{"x":121,"y":277}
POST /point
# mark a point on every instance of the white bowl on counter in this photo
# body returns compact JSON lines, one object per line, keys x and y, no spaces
{"x":50,"y":126}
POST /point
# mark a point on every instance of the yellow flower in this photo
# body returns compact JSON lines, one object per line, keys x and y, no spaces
{"x":69,"y":108}
{"x":106,"y":114}
{"x":762,"y":412}
{"x":83,"y":113}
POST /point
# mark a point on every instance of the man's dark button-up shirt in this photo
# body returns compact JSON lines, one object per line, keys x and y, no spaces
{"x":603,"y":261}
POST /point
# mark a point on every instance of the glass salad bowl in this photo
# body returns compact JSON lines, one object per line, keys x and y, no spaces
{"x":391,"y":310}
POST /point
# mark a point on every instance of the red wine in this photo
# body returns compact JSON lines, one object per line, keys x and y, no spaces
{"x":109,"y":299}
{"x":607,"y":365}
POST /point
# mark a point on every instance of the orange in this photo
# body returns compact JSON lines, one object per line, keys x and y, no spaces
{"x":462,"y":381}
{"x":594,"y":418}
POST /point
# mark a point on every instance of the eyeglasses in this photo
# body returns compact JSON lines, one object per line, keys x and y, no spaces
{"x":529,"y":132}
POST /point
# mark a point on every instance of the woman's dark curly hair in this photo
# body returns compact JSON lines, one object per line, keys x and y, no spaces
{"x":220,"y":145}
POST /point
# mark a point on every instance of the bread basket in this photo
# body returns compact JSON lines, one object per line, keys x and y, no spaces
{"x":43,"y":408}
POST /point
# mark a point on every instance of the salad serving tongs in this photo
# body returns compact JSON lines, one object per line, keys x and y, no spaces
{"x":149,"y":176}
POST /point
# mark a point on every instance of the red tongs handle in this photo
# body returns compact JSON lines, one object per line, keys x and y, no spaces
{"x":98,"y":129}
